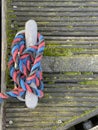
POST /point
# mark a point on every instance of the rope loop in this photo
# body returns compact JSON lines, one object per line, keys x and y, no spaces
{"x":25,"y":67}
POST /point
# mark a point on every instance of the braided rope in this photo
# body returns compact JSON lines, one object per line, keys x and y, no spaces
{"x":25,"y":67}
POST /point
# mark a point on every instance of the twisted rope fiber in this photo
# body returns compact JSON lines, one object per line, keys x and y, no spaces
{"x":25,"y":67}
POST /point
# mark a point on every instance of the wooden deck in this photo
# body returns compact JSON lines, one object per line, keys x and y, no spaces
{"x":70,"y":63}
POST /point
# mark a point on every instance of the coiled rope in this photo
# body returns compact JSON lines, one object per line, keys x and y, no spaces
{"x":25,"y":68}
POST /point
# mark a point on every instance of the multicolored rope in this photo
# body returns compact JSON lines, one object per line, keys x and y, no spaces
{"x":25,"y":67}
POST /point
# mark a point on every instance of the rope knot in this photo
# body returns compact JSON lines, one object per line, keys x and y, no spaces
{"x":25,"y":67}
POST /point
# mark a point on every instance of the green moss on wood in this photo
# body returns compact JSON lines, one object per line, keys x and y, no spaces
{"x":91,"y":82}
{"x":87,"y":73}
{"x":72,"y":73}
{"x":69,"y":27}
{"x":10,"y":32}
{"x":81,"y":7}
{"x":75,"y":118}
{"x":51,"y":50}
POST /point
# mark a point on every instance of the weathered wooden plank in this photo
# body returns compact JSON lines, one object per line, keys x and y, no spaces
{"x":83,"y":118}
{"x":69,"y":42}
{"x":62,"y":90}
{"x":15,"y":123}
{"x":55,"y":64}
{"x":3,"y":63}
{"x":59,"y":14}
{"x":56,"y":4}
{"x":71,"y":33}
{"x":65,"y":79}
{"x":63,"y":24}
{"x":42,"y":115}
{"x":30,"y":128}
{"x":68,"y":86}
{"x":81,"y":28}
{"x":70,"y":76}
{"x":72,"y":39}
{"x":56,"y":0}
{"x":68,"y":96}
{"x":67,"y":33}
{"x":48,"y":20}
{"x":58,"y":19}
{"x":30,"y":124}
{"x":54,"y":109}
{"x":60,"y":9}
{"x":86,"y":102}
{"x":73,"y":11}
{"x":21,"y":106}
{"x":87,"y":53}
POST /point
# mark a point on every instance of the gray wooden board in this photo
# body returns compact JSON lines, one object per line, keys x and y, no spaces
{"x":61,"y":102}
{"x":3,"y":62}
{"x":59,"y":18}
{"x":61,"y":64}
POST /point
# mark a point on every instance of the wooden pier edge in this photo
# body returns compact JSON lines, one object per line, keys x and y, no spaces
{"x":79,"y":120}
{"x":3,"y":62}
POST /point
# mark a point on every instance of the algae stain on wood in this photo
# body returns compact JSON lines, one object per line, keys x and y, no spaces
{"x":10,"y":32}
{"x":89,"y":82}
{"x":74,"y":118}
{"x":60,"y":51}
